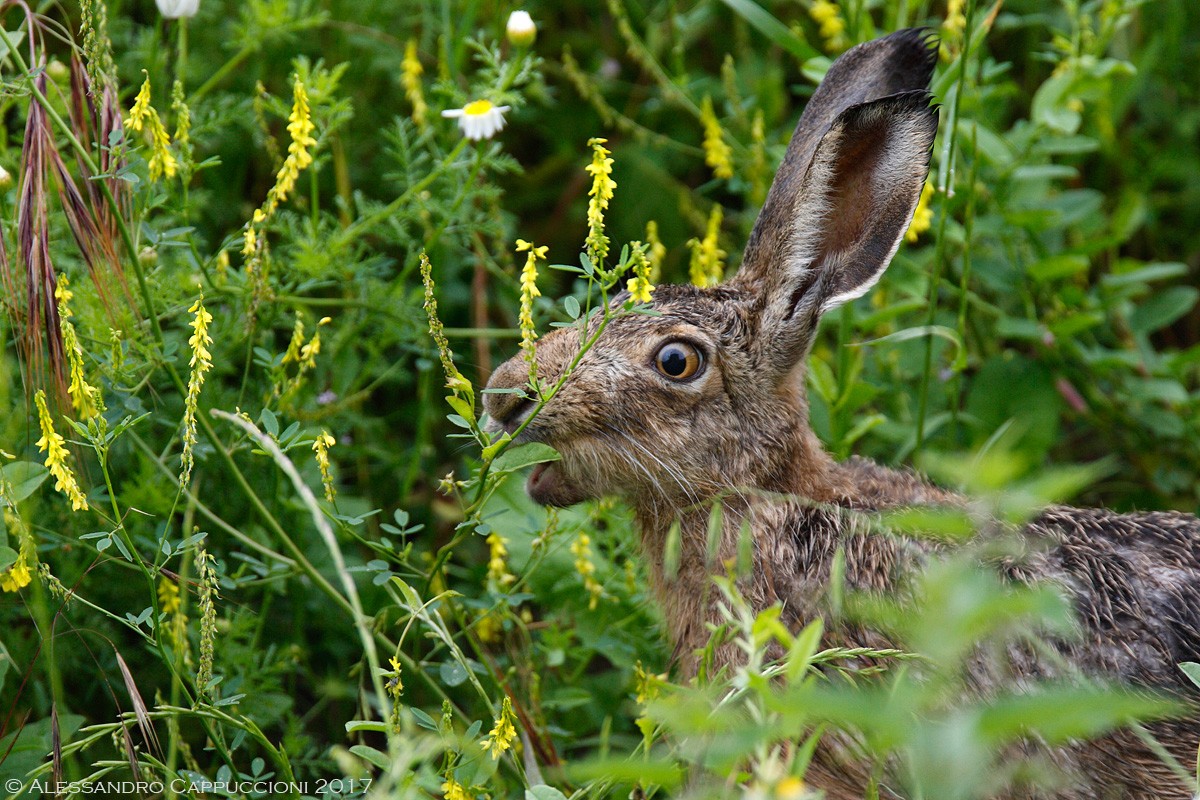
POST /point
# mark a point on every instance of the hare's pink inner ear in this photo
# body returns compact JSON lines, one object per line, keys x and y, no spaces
{"x":901,"y":62}
{"x":878,"y":160}
{"x":850,"y":211}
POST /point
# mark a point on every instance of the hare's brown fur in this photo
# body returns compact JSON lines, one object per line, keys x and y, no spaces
{"x":739,"y":431}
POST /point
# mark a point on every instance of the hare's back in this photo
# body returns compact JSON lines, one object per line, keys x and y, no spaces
{"x":1135,"y":582}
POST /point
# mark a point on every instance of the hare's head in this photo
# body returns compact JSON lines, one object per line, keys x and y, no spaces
{"x":708,"y":393}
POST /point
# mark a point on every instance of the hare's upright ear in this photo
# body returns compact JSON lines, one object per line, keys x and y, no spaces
{"x":845,"y":193}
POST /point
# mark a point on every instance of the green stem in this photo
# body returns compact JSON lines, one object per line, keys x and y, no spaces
{"x":220,"y":75}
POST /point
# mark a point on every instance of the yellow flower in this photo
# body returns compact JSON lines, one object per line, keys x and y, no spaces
{"x":833,"y":27}
{"x":410,"y":78}
{"x":84,"y":397}
{"x":143,"y":116}
{"x":54,"y":447}
{"x":639,"y":286}
{"x":168,"y":595}
{"x":656,"y":251}
{"x":953,"y":26}
{"x":321,"y":447}
{"x":503,"y":733}
{"x":648,"y":686}
{"x":395,"y":684}
{"x":301,"y":127}
{"x":923,"y":215}
{"x":453,"y":790}
{"x":141,"y":107}
{"x":478,"y":119}
{"x":15,"y":577}
{"x":707,"y":266}
{"x":200,"y":363}
{"x":529,"y":290}
{"x":790,"y":788}
{"x":601,"y":192}
{"x":162,"y":160}
{"x":582,"y":550}
{"x":498,"y":575}
{"x":488,"y":628}
{"x":716,"y":152}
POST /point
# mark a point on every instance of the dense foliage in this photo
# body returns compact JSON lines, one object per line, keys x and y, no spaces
{"x":251,"y":524}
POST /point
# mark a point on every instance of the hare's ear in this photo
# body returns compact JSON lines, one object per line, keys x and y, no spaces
{"x":850,"y":212}
{"x":843,"y":197}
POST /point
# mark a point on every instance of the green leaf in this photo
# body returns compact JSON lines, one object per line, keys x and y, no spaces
{"x":525,"y":456}
{"x":1161,"y":310}
{"x":372,"y":755}
{"x":423,"y":719}
{"x":24,"y":477}
{"x":453,"y":673}
{"x":772,"y":28}
{"x":270,"y":422}
{"x":461,"y":406}
{"x":367,"y":725}
{"x":1192,"y":670}
{"x":1060,"y":266}
{"x":544,"y":792}
{"x":1145,"y":274}
{"x":8,"y":557}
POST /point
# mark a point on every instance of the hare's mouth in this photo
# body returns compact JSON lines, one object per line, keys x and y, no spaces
{"x":549,"y":486}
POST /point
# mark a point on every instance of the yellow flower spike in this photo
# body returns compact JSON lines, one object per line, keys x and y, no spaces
{"x":321,"y":447}
{"x":923,"y":215}
{"x":54,"y":446}
{"x":656,"y":251}
{"x":639,"y":286}
{"x":498,"y":576}
{"x":529,"y":290}
{"x":410,"y":78}
{"x":168,"y":595}
{"x":503,"y":733}
{"x":200,"y":363}
{"x":601,"y":192}
{"x":953,"y":26}
{"x":300,"y":127}
{"x":143,"y":116}
{"x":717,"y":154}
{"x":141,"y":106}
{"x":707,"y":265}
{"x":832,"y":25}
{"x":162,"y":160}
{"x":581,"y":548}
{"x":85,"y":398}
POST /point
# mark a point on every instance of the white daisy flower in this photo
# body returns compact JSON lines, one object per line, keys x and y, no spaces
{"x":479,"y":119}
{"x":520,"y":29}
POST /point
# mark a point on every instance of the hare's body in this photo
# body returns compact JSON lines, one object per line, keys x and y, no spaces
{"x":705,"y":400}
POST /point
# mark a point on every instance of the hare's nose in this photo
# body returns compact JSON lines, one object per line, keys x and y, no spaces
{"x":508,"y":406}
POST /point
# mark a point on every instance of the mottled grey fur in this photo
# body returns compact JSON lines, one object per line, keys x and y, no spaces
{"x":835,"y":214}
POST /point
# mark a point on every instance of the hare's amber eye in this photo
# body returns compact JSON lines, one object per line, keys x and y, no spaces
{"x":678,"y":360}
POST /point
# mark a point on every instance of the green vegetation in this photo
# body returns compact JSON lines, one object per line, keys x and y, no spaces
{"x":252,"y":530}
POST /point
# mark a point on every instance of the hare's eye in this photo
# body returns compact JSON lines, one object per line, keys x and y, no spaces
{"x":678,"y":360}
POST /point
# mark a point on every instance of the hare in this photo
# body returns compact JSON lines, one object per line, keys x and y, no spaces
{"x":707,"y":399}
